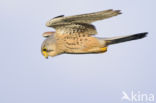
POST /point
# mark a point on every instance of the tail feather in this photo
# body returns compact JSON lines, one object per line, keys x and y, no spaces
{"x":121,"y":39}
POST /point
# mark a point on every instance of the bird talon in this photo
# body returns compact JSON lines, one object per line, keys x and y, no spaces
{"x":104,"y":49}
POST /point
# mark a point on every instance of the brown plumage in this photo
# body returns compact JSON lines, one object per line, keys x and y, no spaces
{"x":74,"y":34}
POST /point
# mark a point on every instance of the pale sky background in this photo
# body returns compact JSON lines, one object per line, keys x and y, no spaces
{"x":27,"y":77}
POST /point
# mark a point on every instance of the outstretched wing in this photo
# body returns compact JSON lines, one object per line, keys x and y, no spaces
{"x":83,"y":18}
{"x":81,"y":22}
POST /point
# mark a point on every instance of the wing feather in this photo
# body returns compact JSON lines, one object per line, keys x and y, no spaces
{"x":80,"y":23}
{"x":83,"y":18}
{"x":74,"y":28}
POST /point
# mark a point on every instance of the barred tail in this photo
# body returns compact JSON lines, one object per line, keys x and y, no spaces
{"x":121,"y":39}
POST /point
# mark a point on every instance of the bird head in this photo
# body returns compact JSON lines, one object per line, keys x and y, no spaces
{"x":48,"y":47}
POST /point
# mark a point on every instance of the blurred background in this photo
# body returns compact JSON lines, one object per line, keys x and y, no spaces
{"x":27,"y":77}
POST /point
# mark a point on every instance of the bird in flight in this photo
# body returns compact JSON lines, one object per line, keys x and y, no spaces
{"x":74,"y":34}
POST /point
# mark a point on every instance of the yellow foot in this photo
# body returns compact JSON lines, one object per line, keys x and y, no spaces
{"x":104,"y":49}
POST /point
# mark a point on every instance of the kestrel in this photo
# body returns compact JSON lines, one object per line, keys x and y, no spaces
{"x":74,"y":34}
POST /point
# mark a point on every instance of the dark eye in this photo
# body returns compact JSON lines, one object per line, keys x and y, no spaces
{"x":44,"y":49}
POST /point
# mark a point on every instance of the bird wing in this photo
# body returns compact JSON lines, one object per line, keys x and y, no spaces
{"x":81,"y":22}
{"x":74,"y":28}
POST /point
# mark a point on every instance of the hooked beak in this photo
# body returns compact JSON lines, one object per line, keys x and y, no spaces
{"x":45,"y":54}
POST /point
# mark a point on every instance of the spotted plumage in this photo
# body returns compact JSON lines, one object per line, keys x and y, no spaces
{"x":74,"y":34}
